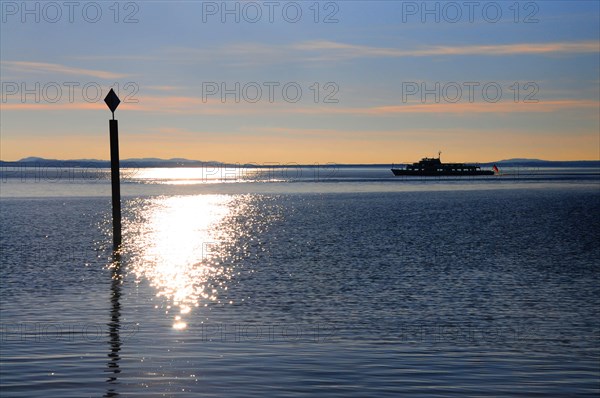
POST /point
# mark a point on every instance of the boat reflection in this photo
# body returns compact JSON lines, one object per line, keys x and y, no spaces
{"x":171,"y":245}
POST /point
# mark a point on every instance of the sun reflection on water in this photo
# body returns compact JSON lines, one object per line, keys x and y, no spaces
{"x":210,"y":175}
{"x":172,"y":244}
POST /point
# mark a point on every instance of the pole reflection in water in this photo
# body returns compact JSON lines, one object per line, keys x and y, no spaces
{"x":114,"y":326}
{"x":170,"y":243}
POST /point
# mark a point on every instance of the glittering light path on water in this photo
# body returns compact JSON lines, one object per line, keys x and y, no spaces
{"x":171,"y":247}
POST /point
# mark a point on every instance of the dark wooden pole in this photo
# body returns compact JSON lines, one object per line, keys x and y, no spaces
{"x":116,"y":186}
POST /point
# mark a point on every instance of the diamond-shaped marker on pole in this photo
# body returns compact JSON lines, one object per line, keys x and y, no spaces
{"x":112,"y":101}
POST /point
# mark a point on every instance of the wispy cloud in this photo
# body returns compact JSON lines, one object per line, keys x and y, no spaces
{"x":197,"y":106}
{"x":165,"y":88}
{"x":481,"y":107}
{"x":254,"y":54}
{"x":356,"y":51}
{"x":152,"y":104}
{"x":119,"y":57}
{"x":42,"y":67}
{"x":64,"y":106}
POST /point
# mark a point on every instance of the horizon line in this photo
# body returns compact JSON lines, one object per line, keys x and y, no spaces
{"x":274,"y":164}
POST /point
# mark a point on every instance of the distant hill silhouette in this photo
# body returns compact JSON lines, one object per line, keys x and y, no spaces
{"x":516,"y":162}
{"x":182,"y":162}
{"x":135,"y":162}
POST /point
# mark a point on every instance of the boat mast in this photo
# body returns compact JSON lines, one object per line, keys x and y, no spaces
{"x":439,"y":154}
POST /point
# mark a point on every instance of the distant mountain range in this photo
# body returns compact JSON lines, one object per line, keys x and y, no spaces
{"x":517,"y":162}
{"x":128,"y":163}
{"x":181,"y":162}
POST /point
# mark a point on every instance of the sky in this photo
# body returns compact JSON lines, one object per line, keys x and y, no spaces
{"x":302,"y":82}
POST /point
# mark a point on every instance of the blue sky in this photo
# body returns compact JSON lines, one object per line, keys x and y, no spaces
{"x":364,"y":61}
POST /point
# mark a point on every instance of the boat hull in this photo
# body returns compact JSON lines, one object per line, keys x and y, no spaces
{"x":424,"y":173}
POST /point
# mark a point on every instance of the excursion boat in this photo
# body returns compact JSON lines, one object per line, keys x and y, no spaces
{"x":433,"y":167}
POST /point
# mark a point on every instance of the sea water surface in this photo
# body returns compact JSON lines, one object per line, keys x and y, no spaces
{"x":322,"y":281}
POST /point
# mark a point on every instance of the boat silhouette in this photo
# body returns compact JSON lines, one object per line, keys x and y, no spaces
{"x":433,"y":167}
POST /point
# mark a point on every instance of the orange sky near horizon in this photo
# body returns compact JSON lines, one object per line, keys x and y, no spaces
{"x":268,"y":149}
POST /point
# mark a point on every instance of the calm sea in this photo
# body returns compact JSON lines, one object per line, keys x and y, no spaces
{"x":280,"y":282}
